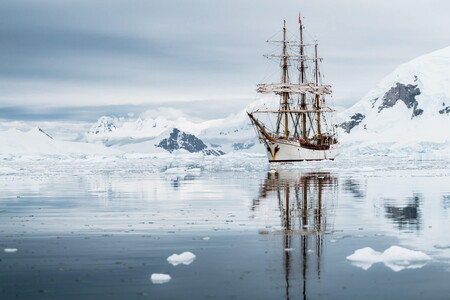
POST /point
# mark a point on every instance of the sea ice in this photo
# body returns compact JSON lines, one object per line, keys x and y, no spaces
{"x":7,"y":171}
{"x":185,"y":258}
{"x":396,"y":258}
{"x":158,"y":278}
{"x":11,"y":250}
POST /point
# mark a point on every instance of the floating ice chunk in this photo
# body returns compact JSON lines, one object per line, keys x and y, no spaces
{"x":176,"y":171}
{"x":194,"y":171}
{"x":158,"y":278}
{"x":396,"y":258}
{"x":289,"y":249}
{"x":11,"y":250}
{"x":206,"y":238}
{"x":185,"y":258}
{"x":403,"y":255}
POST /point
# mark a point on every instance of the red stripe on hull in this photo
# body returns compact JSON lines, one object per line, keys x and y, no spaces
{"x":296,"y":160}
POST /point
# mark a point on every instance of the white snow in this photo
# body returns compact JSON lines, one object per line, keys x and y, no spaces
{"x":185,"y":258}
{"x":395,"y":257}
{"x":158,"y":278}
{"x":36,"y":143}
{"x":11,"y":250}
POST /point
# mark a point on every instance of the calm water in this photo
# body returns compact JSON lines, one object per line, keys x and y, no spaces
{"x":98,"y":231}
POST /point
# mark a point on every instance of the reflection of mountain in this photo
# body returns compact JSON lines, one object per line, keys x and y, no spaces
{"x":305,"y":201}
{"x":355,"y":188}
{"x":406,"y":217}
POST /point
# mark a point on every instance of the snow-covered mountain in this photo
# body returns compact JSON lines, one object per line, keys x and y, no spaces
{"x":152,"y":129}
{"x":37,"y":143}
{"x":407,"y":112}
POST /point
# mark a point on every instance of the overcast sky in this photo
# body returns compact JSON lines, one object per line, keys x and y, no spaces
{"x":82,"y":59}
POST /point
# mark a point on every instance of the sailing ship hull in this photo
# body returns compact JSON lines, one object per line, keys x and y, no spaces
{"x":290,"y":151}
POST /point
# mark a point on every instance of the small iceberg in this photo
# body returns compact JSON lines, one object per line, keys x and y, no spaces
{"x":158,"y":278}
{"x":185,"y":258}
{"x":11,"y":250}
{"x":396,"y":258}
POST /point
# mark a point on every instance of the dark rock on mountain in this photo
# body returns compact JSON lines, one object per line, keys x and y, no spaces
{"x":355,"y":120}
{"x":405,"y":93}
{"x":242,"y":146}
{"x":104,"y":124}
{"x":44,"y":133}
{"x":182,"y":140}
{"x":445,"y":110}
{"x":213,"y":152}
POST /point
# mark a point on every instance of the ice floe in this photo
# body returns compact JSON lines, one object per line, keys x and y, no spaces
{"x":395,"y":257}
{"x":11,"y":250}
{"x":158,"y":278}
{"x":185,"y":258}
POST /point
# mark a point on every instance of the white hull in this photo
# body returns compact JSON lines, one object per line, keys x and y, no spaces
{"x":285,"y":151}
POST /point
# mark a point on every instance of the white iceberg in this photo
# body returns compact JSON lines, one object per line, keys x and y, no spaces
{"x":11,"y":250}
{"x":158,"y":278}
{"x":396,"y":258}
{"x":185,"y":258}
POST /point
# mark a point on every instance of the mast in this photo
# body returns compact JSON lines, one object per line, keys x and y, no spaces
{"x":285,"y":95}
{"x":319,"y":133}
{"x":302,"y":78}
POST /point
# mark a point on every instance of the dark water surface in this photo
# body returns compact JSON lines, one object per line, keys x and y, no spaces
{"x":279,"y":234}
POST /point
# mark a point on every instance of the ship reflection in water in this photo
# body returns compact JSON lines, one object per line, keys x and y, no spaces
{"x":306,"y":205}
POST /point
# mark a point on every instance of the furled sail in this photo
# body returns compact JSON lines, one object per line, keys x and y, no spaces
{"x":293,"y":88}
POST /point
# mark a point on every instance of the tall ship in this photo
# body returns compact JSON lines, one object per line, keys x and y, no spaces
{"x":300,"y":129}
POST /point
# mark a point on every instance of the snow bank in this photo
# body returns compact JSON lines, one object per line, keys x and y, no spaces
{"x":158,"y":278}
{"x":185,"y":258}
{"x":395,"y":257}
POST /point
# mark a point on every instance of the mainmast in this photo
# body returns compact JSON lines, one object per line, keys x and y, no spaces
{"x":302,"y":78}
{"x":285,"y":95}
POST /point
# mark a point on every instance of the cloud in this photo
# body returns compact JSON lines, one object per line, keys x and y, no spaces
{"x":102,"y":53}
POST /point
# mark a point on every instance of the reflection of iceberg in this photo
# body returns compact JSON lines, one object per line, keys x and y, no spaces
{"x":396,"y":258}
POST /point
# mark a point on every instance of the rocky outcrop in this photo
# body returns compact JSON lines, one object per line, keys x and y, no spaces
{"x":103,"y":125}
{"x":242,"y":146}
{"x":405,"y":93}
{"x":355,"y":120}
{"x":182,"y":140}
